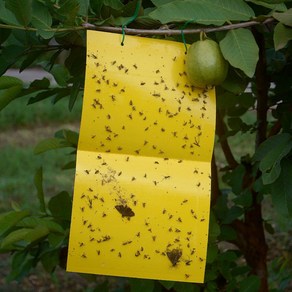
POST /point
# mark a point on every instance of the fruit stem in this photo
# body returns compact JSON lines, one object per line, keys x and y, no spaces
{"x":203,"y":36}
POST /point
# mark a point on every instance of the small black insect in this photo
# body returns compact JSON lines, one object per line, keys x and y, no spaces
{"x":174,"y":256}
{"x":125,"y":211}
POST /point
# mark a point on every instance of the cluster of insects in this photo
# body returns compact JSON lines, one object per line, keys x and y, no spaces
{"x":119,"y":114}
{"x":174,"y":101}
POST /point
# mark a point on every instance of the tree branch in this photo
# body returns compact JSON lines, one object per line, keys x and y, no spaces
{"x":221,"y":131}
{"x":133,"y":31}
{"x":167,"y":31}
{"x":262,"y":86}
{"x":215,"y":191}
{"x":63,"y":29}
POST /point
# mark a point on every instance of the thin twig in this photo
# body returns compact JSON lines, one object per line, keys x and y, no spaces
{"x":134,"y":31}
{"x":63,"y":29}
{"x":166,"y":31}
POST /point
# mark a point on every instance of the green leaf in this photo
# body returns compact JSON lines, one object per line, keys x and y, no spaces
{"x":10,"y":219}
{"x":285,"y":17}
{"x":167,"y":284}
{"x":61,"y":74}
{"x":228,"y":256}
{"x":30,"y":59}
{"x":44,"y":95}
{"x":235,"y":179}
{"x":276,"y":148}
{"x":84,"y":7}
{"x":60,"y":206}
{"x":227,"y":233}
{"x":34,"y":235}
{"x":115,"y":4}
{"x":207,"y":12}
{"x":56,"y":240}
{"x":158,"y":3}
{"x":233,"y":213}
{"x":274,"y":1}
{"x":234,"y":82}
{"x":281,"y":189}
{"x":10,"y":87}
{"x":267,"y":146}
{"x":8,"y":243}
{"x":186,"y":287}
{"x":282,"y":35}
{"x":68,"y":11}
{"x":70,"y":136}
{"x":50,"y":260}
{"x":274,"y":5}
{"x":42,"y":20}
{"x":251,"y":283}
{"x":239,"y":48}
{"x":70,"y":165}
{"x":21,"y":9}
{"x":141,"y":285}
{"x":4,"y":33}
{"x":214,"y":228}
{"x":33,"y":222}
{"x":38,"y":182}
{"x":22,"y":262}
{"x":23,"y":237}
{"x":212,"y":253}
{"x":6,"y":16}
{"x":50,"y":144}
{"x":76,"y":88}
{"x":244,"y":199}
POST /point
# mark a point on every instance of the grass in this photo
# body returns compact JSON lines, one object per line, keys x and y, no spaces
{"x":18,"y":166}
{"x":20,"y":114}
{"x":21,"y":127}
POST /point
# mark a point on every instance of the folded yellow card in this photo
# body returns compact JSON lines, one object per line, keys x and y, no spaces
{"x":142,"y":187}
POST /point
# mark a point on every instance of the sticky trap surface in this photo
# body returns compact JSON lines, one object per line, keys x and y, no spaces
{"x":142,"y":187}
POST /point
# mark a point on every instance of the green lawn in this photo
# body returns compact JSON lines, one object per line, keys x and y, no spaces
{"x":21,"y":127}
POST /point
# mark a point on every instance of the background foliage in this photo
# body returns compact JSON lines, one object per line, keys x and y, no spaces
{"x":254,"y":102}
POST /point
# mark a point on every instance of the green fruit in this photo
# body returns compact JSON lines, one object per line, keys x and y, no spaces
{"x":205,"y":64}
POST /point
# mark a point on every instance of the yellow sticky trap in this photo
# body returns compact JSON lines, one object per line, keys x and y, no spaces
{"x":142,"y":188}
